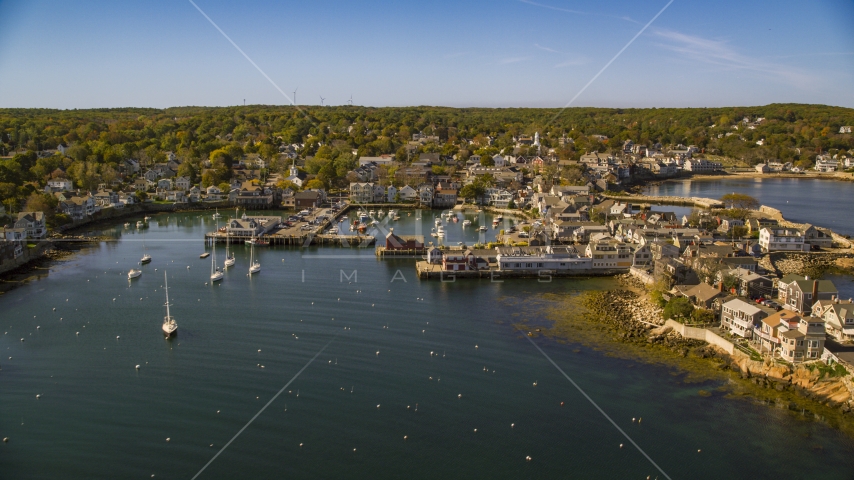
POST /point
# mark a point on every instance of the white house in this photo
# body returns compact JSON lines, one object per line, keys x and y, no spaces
{"x":845,"y":129}
{"x":425,"y":195}
{"x":361,"y":192}
{"x":392,"y":193}
{"x":182,"y":183}
{"x":701,"y":165}
{"x":60,"y":185}
{"x":213,"y":194}
{"x":407,"y":193}
{"x":782,"y":239}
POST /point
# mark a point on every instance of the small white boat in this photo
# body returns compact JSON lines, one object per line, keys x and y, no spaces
{"x":392,"y":213}
{"x":396,"y":217}
{"x":333,"y":230}
{"x":216,"y":215}
{"x":146,"y":218}
{"x":146,"y":258}
{"x":229,"y":257}
{"x":254,"y":265}
{"x":466,"y":223}
{"x":482,"y":228}
{"x":216,"y":273}
{"x":127,"y":224}
{"x":170,"y":326}
{"x":372,"y":213}
{"x":139,"y":224}
{"x":133,"y":273}
{"x":438,"y":222}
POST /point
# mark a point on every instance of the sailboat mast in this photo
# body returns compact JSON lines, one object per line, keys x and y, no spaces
{"x":166,"y":284}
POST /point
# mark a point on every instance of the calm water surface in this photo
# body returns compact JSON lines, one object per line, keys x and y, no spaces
{"x":802,"y":200}
{"x":99,"y":417}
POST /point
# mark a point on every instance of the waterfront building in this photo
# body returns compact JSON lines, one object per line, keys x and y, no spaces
{"x":804,"y":343}
{"x":33,"y":224}
{"x":458,"y":261}
{"x":782,"y":239}
{"x":800,"y":293}
{"x":701,"y":165}
{"x":767,"y":334}
{"x":403,"y":242}
{"x":838,"y":316}
{"x":740,"y":317}
{"x":607,"y":253}
{"x":306,"y":199}
{"x":551,"y":257}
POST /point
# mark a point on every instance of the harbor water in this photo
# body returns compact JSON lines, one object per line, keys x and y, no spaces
{"x":414,"y":379}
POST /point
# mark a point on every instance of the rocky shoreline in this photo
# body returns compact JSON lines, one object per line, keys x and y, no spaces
{"x":627,"y":318}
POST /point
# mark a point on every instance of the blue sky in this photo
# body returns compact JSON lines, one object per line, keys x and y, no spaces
{"x":87,"y":54}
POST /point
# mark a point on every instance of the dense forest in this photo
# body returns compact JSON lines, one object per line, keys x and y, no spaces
{"x":100,"y":139}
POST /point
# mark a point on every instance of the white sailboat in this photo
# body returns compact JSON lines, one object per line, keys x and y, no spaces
{"x":216,"y":273}
{"x":229,"y":257}
{"x":170,"y":326}
{"x":216,"y":214}
{"x":146,"y":258}
{"x":254,"y":265}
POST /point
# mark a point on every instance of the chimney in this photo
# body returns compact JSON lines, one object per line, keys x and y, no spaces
{"x":814,"y":291}
{"x":721,"y":285}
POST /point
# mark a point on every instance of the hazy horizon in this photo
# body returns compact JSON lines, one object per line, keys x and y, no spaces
{"x":512,"y":53}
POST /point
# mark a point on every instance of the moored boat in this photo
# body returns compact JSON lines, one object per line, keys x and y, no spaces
{"x":170,"y":326}
{"x":134,"y":273}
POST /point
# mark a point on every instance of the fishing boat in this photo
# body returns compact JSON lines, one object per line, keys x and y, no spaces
{"x":254,"y":265}
{"x":134,"y":273}
{"x":466,"y":223}
{"x":146,"y":258}
{"x":498,"y":218}
{"x":363,"y":218}
{"x":229,"y":257}
{"x":262,"y":242}
{"x":170,"y":326}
